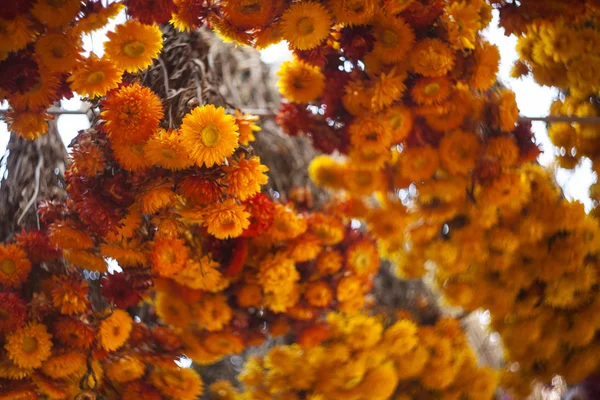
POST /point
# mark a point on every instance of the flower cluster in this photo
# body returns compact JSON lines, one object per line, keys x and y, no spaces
{"x":42,"y":61}
{"x":361,"y":357}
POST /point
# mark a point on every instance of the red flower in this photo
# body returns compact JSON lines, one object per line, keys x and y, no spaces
{"x":528,"y":150}
{"x":18,"y":73}
{"x":13,"y":312}
{"x":355,"y":42}
{"x":421,"y":14}
{"x":125,"y":289}
{"x":151,"y":11}
{"x":261,"y":209}
{"x":37,"y":246}
{"x":17,"y":7}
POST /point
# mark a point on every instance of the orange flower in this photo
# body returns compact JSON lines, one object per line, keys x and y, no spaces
{"x":30,"y":346}
{"x":58,"y":51}
{"x":319,"y":294}
{"x":156,"y":199}
{"x":132,"y":114}
{"x":64,"y":364}
{"x":73,"y":333}
{"x":432,"y":57}
{"x":69,"y":295}
{"x":66,"y":237}
{"x":226,"y":220}
{"x":362,"y":258}
{"x":249,"y":296}
{"x":173,"y":310}
{"x":14,"y":266}
{"x":200,"y":190}
{"x":349,"y":288}
{"x":177,"y":383}
{"x":85,"y":260}
{"x":28,"y":124}
{"x":328,"y":229}
{"x":114,"y":330}
{"x":224,"y":343}
{"x":56,"y":14}
{"x":169,"y":256}
{"x":329,"y":262}
{"x":245,"y":178}
{"x":286,"y":224}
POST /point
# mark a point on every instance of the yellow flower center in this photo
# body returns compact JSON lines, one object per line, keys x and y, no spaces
{"x":210,"y":136}
{"x":58,"y":51}
{"x":30,"y":344}
{"x":168,"y":154}
{"x":396,"y":121}
{"x":134,"y":48}
{"x":8,"y":266}
{"x":137,"y":149}
{"x":250,"y":7}
{"x":305,"y":26}
{"x":170,"y":257}
{"x":95,"y":77}
{"x":389,"y":38}
{"x":431,"y":89}
{"x":227,"y":222}
{"x":361,"y":261}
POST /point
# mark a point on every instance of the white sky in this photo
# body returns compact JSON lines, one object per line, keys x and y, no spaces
{"x":533,"y":101}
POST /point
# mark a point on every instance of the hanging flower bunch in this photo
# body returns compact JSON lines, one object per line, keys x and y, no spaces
{"x":515,"y":16}
{"x":361,"y":357}
{"x":562,"y":52}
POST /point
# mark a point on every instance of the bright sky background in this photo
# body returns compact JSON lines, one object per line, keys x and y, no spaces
{"x":533,"y":101}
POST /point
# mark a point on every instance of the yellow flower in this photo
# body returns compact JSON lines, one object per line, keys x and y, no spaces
{"x":325,"y":171}
{"x":177,"y":383}
{"x":29,"y":346}
{"x":212,"y":312}
{"x":166,"y":150}
{"x":15,"y":34}
{"x":431,"y":57}
{"x":58,"y":51}
{"x":14,"y":266}
{"x":28,"y":124}
{"x":352,"y":12}
{"x":388,"y":89}
{"x":202,"y":275}
{"x":300,"y":82}
{"x":328,"y":229}
{"x":305,"y":25}
{"x":247,"y":127}
{"x":98,"y":19}
{"x":226,"y":220}
{"x":459,"y":152}
{"x":130,"y":156}
{"x":245,"y":179}
{"x":394,"y":38}
{"x":380,"y":382}
{"x":508,"y":111}
{"x":95,"y":77}
{"x":133,"y":45}
{"x":583,"y":72}
{"x":362,"y":258}
{"x":55,"y":14}
{"x":463,"y":23}
{"x":268,"y":36}
{"x":114,"y":330}
{"x":209,"y":134}
{"x":132,"y":114}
